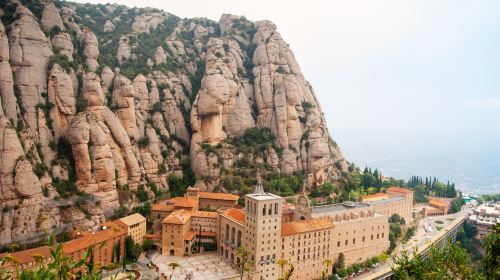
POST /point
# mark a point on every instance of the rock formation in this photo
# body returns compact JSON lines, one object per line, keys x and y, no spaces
{"x":97,"y":105}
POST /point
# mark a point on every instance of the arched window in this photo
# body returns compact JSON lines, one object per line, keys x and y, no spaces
{"x":233,"y":236}
{"x":238,"y":239}
{"x":227,"y":233}
{"x":276,"y":208}
{"x":264,"y":210}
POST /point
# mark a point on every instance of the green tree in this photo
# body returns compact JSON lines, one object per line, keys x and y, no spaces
{"x":395,"y":218}
{"x":491,"y":259}
{"x":174,"y":266}
{"x":339,"y":264}
{"x":132,"y":250}
{"x":456,"y":205}
{"x":59,"y":266}
{"x":245,"y":263}
{"x":449,"y":262}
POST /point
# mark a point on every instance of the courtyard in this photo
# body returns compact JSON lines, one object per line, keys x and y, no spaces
{"x":206,"y":266}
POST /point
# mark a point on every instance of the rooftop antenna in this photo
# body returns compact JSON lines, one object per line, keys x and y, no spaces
{"x":259,"y":189}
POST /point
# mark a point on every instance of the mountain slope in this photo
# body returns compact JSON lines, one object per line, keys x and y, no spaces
{"x":104,"y":105}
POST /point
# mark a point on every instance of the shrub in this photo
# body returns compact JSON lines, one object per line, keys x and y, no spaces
{"x":142,"y":194}
{"x":307,"y":105}
{"x":395,"y":218}
{"x":63,"y":61}
{"x":143,"y":142}
{"x":40,"y":169}
{"x":281,"y":70}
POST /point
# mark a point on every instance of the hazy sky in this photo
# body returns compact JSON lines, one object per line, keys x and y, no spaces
{"x":411,"y":87}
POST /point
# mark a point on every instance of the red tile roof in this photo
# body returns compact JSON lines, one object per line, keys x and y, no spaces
{"x":27,"y":255}
{"x":219,"y":196}
{"x":374,"y":196}
{"x":89,"y":239}
{"x":204,"y":214}
{"x":235,"y":214}
{"x":162,"y":208}
{"x":399,"y":189}
{"x":436,"y":202}
{"x":297,"y":227}
{"x":152,"y":236}
{"x":184,"y":202}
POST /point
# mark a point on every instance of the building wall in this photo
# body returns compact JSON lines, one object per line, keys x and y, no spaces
{"x":216,"y":203}
{"x":262,"y":235}
{"x":358,"y":233}
{"x":207,"y":224}
{"x":230,"y":238}
{"x":361,"y":238}
{"x":307,"y":252}
{"x":103,"y":251}
{"x":173,"y":239}
{"x":137,"y":232}
{"x":157,"y":217}
{"x":402,"y":207}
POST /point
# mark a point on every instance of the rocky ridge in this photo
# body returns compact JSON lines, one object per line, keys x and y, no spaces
{"x":105,"y":106}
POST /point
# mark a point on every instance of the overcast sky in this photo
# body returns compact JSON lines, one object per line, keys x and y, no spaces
{"x":411,"y":87}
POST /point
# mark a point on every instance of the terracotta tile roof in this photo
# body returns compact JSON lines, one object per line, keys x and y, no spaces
{"x":374,"y":196}
{"x":178,"y":217}
{"x":133,"y":219}
{"x":436,"y":202}
{"x":399,"y":189}
{"x":90,"y":239}
{"x":27,"y":255}
{"x":118,"y":223}
{"x":219,"y":196}
{"x":235,"y":214}
{"x":297,"y":227}
{"x":152,"y":236}
{"x":162,"y":208}
{"x":192,"y":234}
{"x":184,"y":202}
{"x":204,"y":214}
{"x":209,"y":233}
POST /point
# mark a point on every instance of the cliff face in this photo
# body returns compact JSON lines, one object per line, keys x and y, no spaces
{"x":101,"y":104}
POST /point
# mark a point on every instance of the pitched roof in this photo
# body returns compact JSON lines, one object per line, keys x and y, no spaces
{"x":93,"y":238}
{"x":374,"y":196}
{"x":192,"y":234}
{"x":399,"y":189}
{"x":27,"y":255}
{"x":184,"y":202}
{"x":235,"y":214}
{"x":297,"y":227}
{"x":219,"y":196}
{"x":436,"y":202}
{"x":152,"y":236}
{"x":162,"y":207}
{"x":133,"y":219}
{"x":204,"y":214}
{"x":178,"y":217}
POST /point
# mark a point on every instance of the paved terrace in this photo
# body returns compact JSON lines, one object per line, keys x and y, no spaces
{"x":205,"y":266}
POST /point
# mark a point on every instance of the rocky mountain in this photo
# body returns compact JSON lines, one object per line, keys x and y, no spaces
{"x":105,"y":106}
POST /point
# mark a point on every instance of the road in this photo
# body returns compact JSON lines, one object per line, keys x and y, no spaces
{"x":421,"y":238}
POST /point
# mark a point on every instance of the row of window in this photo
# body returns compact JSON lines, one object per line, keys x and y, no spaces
{"x":346,"y":242}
